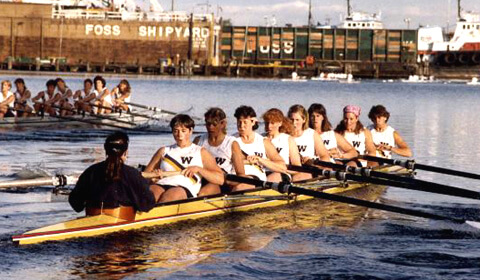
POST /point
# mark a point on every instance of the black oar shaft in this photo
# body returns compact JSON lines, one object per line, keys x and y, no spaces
{"x":408,"y":183}
{"x":288,"y":188}
{"x":413,"y":165}
{"x":446,"y":171}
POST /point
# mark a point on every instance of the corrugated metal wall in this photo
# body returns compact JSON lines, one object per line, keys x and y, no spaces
{"x":261,"y":45}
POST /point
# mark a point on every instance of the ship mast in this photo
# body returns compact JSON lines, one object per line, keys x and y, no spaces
{"x":349,"y":8}
{"x":310,"y":14}
{"x":459,"y":10}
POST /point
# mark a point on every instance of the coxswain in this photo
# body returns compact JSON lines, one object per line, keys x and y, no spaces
{"x":46,"y":101}
{"x":111,"y":187}
{"x":7,"y":100}
{"x":279,"y":129}
{"x":386,"y":139}
{"x":191,"y":161}
{"x":80,"y":96}
{"x":352,"y":129}
{"x":121,"y":94}
{"x":259,"y":152}
{"x":223,"y":148}
{"x":23,"y":104}
{"x":309,"y":143}
{"x":66,"y":101}
{"x":335,"y":143}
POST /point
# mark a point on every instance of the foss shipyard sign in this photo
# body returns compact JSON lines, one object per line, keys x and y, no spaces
{"x":200,"y":34}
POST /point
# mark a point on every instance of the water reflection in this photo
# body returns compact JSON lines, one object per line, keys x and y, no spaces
{"x":162,"y":250}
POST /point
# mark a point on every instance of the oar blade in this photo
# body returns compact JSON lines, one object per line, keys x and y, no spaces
{"x":473,"y":224}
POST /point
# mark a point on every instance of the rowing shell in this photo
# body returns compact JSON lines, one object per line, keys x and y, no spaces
{"x":175,"y":211}
{"x":120,"y":120}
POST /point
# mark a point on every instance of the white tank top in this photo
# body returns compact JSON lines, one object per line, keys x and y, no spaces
{"x":83,"y":94}
{"x":385,"y":137}
{"x":174,"y":158}
{"x":68,"y":99}
{"x":356,"y":140}
{"x":97,"y":93}
{"x":281,"y":144}
{"x":306,"y":143}
{"x":9,"y":93}
{"x":329,"y":140}
{"x":222,"y":153}
{"x":117,"y":94}
{"x":257,"y":147}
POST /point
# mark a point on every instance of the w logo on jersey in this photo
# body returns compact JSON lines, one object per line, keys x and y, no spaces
{"x":279,"y":150}
{"x":302,"y":148}
{"x":325,"y":142}
{"x":356,"y":144}
{"x":186,"y":160}
{"x":259,"y":154}
{"x":220,"y":160}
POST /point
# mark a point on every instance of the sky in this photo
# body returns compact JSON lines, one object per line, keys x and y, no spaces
{"x":394,"y":13}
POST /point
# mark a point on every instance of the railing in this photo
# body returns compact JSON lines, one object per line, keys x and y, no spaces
{"x":133,"y":16}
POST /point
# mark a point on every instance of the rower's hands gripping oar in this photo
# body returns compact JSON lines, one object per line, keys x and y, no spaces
{"x":400,"y":181}
{"x":289,"y":188}
{"x":411,"y":164}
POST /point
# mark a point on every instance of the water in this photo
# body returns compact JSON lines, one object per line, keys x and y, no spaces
{"x":312,"y":240}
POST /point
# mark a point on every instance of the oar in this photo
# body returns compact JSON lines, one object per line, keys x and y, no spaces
{"x":69,"y":118}
{"x":58,"y":180}
{"x":411,"y":164}
{"x":289,"y":188}
{"x":131,"y":113}
{"x":401,"y":181}
{"x":64,"y":180}
{"x":155,"y":109}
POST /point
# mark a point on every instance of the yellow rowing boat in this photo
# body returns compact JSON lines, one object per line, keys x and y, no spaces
{"x":194,"y":208}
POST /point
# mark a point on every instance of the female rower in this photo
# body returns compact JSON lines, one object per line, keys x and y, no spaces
{"x":122,"y":93}
{"x":81,"y":95}
{"x":66,"y":102}
{"x":279,"y":130}
{"x":259,"y":151}
{"x":335,"y":143}
{"x":23,"y":104}
{"x":7,"y":100}
{"x":192,"y":161}
{"x":111,"y":187}
{"x":100,"y":97}
{"x":386,"y":139}
{"x":352,"y":129}
{"x":46,"y":101}
{"x":223,"y":148}
{"x":309,"y":142}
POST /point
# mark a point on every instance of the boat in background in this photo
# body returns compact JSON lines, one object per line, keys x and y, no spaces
{"x":158,"y":122}
{"x":474,"y":82}
{"x":295,"y":78}
{"x":419,"y":79}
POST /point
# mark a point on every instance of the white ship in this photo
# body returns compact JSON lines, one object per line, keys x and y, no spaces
{"x":462,"y":49}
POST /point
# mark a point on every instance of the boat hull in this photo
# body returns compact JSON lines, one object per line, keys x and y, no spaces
{"x":113,"y":120}
{"x":179,"y":211}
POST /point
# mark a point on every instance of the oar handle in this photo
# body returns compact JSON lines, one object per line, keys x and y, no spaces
{"x":152,"y":175}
